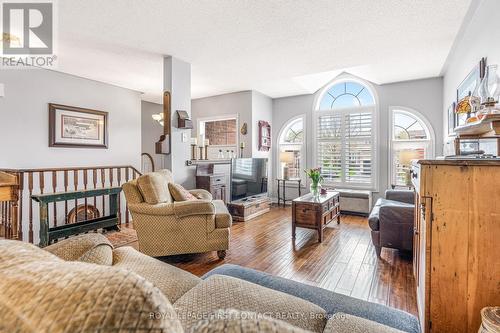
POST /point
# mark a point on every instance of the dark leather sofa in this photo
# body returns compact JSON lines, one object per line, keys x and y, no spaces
{"x":392,"y":219}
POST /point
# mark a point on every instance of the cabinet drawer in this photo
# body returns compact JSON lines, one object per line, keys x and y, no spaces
{"x":305,"y":214}
{"x":217,"y":179}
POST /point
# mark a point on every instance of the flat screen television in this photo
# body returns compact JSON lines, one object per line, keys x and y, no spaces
{"x":248,"y":177}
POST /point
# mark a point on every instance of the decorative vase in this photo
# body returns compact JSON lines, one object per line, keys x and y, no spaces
{"x":315,"y":189}
{"x":489,"y":91}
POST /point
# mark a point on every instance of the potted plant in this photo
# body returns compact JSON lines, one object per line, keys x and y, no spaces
{"x":316,"y":179}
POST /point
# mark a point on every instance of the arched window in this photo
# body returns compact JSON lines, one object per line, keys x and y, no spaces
{"x":345,"y":135}
{"x":291,"y":150}
{"x":411,"y":138}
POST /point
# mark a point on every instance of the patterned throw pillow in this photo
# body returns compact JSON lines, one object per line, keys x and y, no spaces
{"x":179,"y":193}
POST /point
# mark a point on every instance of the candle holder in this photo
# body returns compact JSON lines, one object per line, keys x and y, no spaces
{"x":193,"y":152}
{"x":206,"y":152}
{"x":241,"y":152}
{"x":201,"y":152}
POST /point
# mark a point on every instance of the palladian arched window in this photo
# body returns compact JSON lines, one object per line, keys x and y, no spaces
{"x":345,"y":135}
{"x":411,"y":138}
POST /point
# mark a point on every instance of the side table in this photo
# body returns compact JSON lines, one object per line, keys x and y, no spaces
{"x":282,"y":196}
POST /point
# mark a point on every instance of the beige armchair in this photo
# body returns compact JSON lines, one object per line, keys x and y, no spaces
{"x":166,"y":227}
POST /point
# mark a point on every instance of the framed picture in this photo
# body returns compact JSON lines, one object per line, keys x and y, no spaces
{"x":264,"y":136}
{"x":466,"y":88}
{"x":70,"y":126}
{"x":452,"y":119}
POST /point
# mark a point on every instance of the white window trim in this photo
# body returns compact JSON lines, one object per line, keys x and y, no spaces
{"x":219,"y":118}
{"x":375,"y":121}
{"x":303,"y":157}
{"x":429,"y":129}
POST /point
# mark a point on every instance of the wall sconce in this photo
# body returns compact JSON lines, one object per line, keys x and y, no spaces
{"x":159,"y":118}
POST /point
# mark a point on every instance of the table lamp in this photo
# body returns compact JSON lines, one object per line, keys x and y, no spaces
{"x":405,"y":158}
{"x":286,"y":157}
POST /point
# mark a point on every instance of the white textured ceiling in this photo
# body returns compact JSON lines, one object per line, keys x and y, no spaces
{"x":278,"y":47}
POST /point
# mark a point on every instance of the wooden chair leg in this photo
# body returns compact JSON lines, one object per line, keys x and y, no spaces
{"x":221,"y":254}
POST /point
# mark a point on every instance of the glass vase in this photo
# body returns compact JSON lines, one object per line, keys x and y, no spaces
{"x":315,"y":189}
{"x":489,"y":91}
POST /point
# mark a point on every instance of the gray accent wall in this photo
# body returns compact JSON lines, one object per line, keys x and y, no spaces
{"x":478,"y":38}
{"x":24,"y":126}
{"x":238,"y":103}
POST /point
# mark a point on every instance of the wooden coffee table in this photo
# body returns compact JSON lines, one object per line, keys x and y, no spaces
{"x":315,"y":212}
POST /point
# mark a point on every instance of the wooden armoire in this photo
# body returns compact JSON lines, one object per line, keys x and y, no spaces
{"x":456,"y":242}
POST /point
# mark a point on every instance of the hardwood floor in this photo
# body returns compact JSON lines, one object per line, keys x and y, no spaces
{"x":345,"y":262}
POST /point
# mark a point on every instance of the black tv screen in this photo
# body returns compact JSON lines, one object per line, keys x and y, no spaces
{"x":248,"y":177}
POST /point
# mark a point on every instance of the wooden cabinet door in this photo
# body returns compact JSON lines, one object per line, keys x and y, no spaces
{"x":448,"y":191}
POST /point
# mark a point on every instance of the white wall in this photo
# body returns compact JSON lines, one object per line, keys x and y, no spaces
{"x":424,"y":96}
{"x":151,"y":131}
{"x":24,"y":120}
{"x":479,"y":37}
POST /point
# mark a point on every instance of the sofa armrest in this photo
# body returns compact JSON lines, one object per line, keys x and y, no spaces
{"x":374,"y":217}
{"x":92,"y":248}
{"x":407,"y":196}
{"x":193,"y":207}
{"x":147,"y":209}
{"x":202,"y":194}
{"x":345,"y":323}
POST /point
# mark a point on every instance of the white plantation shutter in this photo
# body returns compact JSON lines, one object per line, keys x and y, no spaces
{"x":358,"y":148}
{"x":329,"y":150}
{"x":344,"y":148}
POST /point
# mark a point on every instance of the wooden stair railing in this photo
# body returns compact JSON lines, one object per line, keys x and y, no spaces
{"x":108,"y":222}
{"x":19,"y":219}
{"x":8,"y":206}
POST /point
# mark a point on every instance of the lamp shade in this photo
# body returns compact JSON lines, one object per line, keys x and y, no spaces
{"x":406,"y":156}
{"x":286,"y":157}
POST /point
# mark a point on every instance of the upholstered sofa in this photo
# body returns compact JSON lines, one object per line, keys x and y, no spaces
{"x":167,"y":227}
{"x":84,"y":285}
{"x":391,"y":221}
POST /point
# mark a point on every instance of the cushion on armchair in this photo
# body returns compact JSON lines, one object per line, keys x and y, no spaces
{"x":154,"y":187}
{"x":179,"y":193}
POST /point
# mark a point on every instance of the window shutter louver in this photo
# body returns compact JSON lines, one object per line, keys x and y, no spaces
{"x":344,"y":147}
{"x":358,"y":148}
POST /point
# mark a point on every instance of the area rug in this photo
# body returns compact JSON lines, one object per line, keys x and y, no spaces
{"x":126,"y":236}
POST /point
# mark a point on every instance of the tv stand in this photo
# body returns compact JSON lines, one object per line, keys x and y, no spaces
{"x":248,"y":208}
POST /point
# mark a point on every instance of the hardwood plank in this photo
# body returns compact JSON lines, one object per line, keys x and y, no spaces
{"x":344,"y":262}
{"x":363,"y":282}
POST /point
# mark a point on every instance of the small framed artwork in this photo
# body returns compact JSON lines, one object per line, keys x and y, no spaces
{"x":467,"y":86}
{"x":452,"y":119}
{"x":264,"y":136}
{"x":70,"y":126}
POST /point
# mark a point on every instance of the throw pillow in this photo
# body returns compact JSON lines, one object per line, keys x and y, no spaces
{"x":153,"y":187}
{"x":179,"y":193}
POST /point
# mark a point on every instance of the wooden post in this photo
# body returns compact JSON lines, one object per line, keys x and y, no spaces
{"x":44,"y":224}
